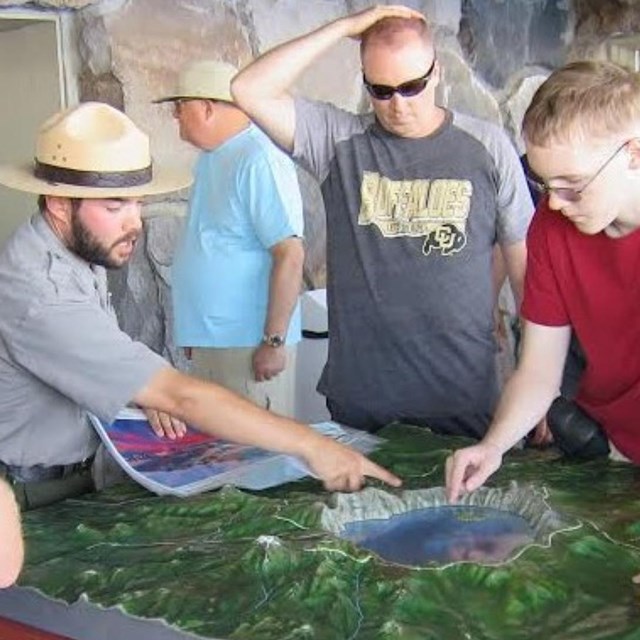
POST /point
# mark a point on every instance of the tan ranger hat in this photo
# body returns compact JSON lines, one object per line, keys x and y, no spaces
{"x":92,"y":151}
{"x":204,"y":79}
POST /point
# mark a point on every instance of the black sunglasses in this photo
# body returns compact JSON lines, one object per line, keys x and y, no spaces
{"x":407,"y":89}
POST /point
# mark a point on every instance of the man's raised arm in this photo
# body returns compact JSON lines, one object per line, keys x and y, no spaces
{"x":262,"y":88}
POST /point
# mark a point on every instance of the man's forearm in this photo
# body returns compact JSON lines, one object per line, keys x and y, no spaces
{"x":220,"y":412}
{"x":523,"y":404}
{"x":284,"y":287}
{"x":262,"y":88}
{"x":272,"y":74}
{"x":515,"y":258}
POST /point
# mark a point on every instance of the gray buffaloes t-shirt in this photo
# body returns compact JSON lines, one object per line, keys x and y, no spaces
{"x":61,"y":351}
{"x":411,"y":224}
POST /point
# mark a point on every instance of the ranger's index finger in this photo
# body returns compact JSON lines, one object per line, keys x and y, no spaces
{"x":374,"y":470}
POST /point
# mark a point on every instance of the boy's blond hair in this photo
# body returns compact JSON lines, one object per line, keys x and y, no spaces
{"x":583,"y":101}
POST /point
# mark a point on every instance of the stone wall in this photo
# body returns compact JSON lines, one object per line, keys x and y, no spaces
{"x":495,"y":54}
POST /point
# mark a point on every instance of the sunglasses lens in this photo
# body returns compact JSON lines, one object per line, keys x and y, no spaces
{"x":407,"y":90}
{"x":380,"y":91}
{"x":412,"y":88}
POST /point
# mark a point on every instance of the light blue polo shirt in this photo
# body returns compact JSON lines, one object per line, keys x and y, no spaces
{"x":245,"y":199}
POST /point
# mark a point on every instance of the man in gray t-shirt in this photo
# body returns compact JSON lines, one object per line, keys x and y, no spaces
{"x":416,"y":199}
{"x":61,"y":351}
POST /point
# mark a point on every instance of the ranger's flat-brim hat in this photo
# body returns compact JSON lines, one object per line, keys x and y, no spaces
{"x":203,"y":80}
{"x":92,"y":151}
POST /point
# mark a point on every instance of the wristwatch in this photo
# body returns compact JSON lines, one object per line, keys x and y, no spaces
{"x":274,"y":340}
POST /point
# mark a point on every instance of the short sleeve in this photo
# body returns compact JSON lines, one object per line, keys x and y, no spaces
{"x":274,"y":203}
{"x":320,"y":126}
{"x":515,"y":207}
{"x":543,"y":302}
{"x":77,"y":348}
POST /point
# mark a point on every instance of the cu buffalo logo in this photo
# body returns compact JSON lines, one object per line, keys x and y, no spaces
{"x":447,"y":239}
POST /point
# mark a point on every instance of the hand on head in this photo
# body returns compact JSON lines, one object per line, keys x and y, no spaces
{"x":467,"y":469}
{"x":343,"y":469}
{"x":358,"y":23}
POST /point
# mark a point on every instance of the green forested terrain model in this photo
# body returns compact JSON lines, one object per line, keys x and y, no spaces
{"x":259,"y":566}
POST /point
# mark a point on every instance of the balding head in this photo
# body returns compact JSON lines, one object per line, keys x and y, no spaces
{"x":394,"y":33}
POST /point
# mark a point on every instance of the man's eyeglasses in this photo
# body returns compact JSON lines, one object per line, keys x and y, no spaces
{"x":567,"y":193}
{"x":177,"y":104}
{"x":407,"y":89}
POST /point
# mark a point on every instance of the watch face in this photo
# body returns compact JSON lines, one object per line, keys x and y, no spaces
{"x":274,"y":340}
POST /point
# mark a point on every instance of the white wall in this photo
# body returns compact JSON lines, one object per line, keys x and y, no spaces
{"x":30,"y":93}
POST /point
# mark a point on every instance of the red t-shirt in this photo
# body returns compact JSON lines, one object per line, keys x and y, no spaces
{"x":593,"y":284}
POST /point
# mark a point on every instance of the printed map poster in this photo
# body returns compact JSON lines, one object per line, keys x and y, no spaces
{"x":199,"y":462}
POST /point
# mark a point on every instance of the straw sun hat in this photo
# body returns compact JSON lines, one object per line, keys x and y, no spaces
{"x":203,"y":79}
{"x":92,"y":151}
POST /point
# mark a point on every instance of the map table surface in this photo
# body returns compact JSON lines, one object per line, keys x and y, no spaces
{"x":233,"y":564}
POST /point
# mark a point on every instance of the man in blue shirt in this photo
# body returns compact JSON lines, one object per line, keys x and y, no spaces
{"x":237,"y":272}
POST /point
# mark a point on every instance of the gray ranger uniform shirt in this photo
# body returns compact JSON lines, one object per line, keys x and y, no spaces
{"x":411,"y":225}
{"x":61,"y":351}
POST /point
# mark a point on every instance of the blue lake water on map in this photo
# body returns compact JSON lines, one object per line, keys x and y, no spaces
{"x":439,"y":535}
